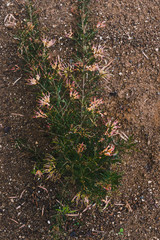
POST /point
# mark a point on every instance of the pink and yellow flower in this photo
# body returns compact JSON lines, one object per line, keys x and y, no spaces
{"x":39,"y":173}
{"x":81,"y":147}
{"x":93,"y":68}
{"x":108,"y":151}
{"x":112,"y":128}
{"x":30,"y":26}
{"x":95,"y":104}
{"x":98,"y":51}
{"x":101,"y":24}
{"x":33,"y":81}
{"x":108,"y":187}
{"x":48,"y":43}
{"x":45,"y":100}
{"x":54,"y":65}
{"x":70,"y":34}
{"x":72,"y":93}
{"x":40,"y":114}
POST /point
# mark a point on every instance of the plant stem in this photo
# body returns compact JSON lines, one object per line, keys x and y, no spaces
{"x":83,"y":48}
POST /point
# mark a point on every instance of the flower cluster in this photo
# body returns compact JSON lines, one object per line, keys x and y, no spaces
{"x":95,"y":104}
{"x":98,"y":51}
{"x":81,"y":147}
{"x":93,"y":68}
{"x":73,"y":93}
{"x":33,"y":81}
{"x":50,"y":168}
{"x":48,"y":43}
{"x":112,"y":128}
{"x":101,"y":24}
{"x":45,"y":100}
{"x":70,"y":34}
{"x":30,"y":26}
{"x":40,"y":114}
{"x":108,"y":151}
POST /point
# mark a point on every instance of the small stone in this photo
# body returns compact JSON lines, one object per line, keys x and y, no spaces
{"x":73,"y":234}
{"x":48,"y":222}
{"x":7,"y":130}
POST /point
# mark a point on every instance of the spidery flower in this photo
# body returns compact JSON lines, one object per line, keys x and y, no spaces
{"x":45,"y":100}
{"x":101,"y":24}
{"x":48,"y":43}
{"x":33,"y":81}
{"x":70,"y":34}
{"x":30,"y":26}
{"x":95,"y":104}
{"x":108,"y":187}
{"x":81,"y":147}
{"x":113,"y":128}
{"x":93,"y":68}
{"x":98,"y":51}
{"x":39,"y":173}
{"x":108,"y":151}
{"x":72,"y":92}
{"x":40,"y":114}
{"x":50,"y":168}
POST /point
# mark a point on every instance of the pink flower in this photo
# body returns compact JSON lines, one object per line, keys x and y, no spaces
{"x":108,"y":151}
{"x":108,"y":187}
{"x":45,"y":100}
{"x":15,"y":69}
{"x":48,"y":43}
{"x":73,"y":93}
{"x":98,"y":52}
{"x":40,"y":114}
{"x":33,"y":81}
{"x":54,"y":65}
{"x":70,"y":34}
{"x":37,"y":77}
{"x":39,"y":173}
{"x":101,"y":24}
{"x":30,"y":26}
{"x":95,"y":104}
{"x":81,"y":147}
{"x":93,"y":68}
{"x":112,"y":128}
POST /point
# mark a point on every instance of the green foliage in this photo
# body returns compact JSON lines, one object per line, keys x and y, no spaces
{"x":121,"y":231}
{"x":85,"y":142}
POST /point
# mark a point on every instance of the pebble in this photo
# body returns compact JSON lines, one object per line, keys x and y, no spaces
{"x":7,"y":130}
{"x":48,"y":222}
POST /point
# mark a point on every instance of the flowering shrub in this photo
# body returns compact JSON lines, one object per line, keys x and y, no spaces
{"x":85,"y":142}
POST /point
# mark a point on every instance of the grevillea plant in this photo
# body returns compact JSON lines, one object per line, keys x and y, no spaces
{"x":85,"y":142}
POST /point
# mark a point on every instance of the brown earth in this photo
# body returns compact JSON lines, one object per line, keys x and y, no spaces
{"x":132,"y":40}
